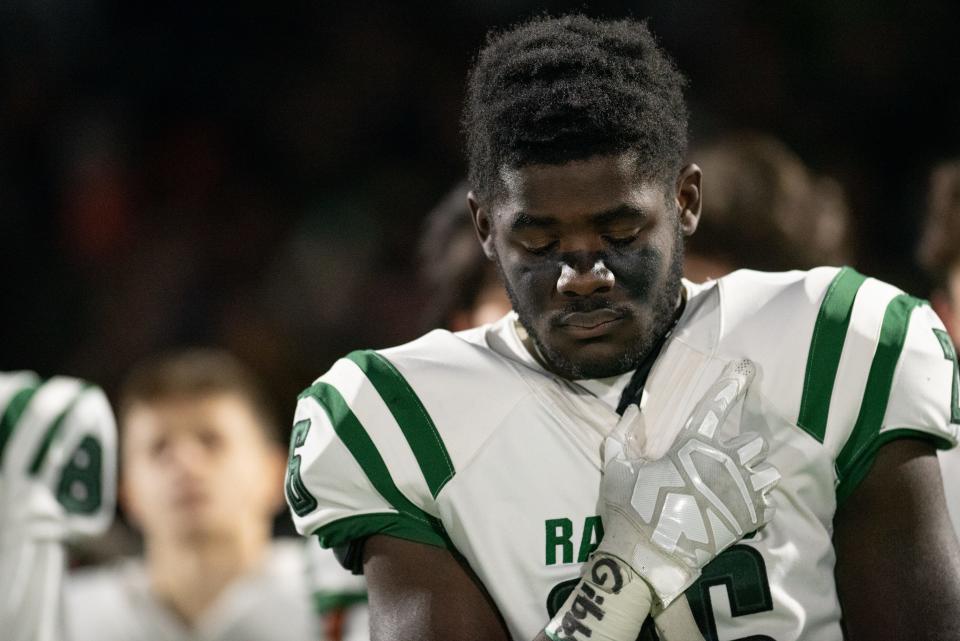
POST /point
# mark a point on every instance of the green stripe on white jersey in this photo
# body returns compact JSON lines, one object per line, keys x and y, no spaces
{"x":413,"y":419}
{"x":409,"y":518}
{"x":514,"y":487}
{"x":854,"y":459}
{"x":57,"y":440}
{"x":826,"y":347}
{"x":16,"y":390}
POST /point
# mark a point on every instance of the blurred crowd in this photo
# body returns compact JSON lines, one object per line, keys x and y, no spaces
{"x":178,"y":174}
{"x":274,"y":186}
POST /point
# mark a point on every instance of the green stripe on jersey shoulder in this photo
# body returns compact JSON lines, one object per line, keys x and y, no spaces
{"x":53,"y":431}
{"x":861,"y":446}
{"x":363,"y":450}
{"x":412,"y":417}
{"x":826,"y":346}
{"x":13,"y":412}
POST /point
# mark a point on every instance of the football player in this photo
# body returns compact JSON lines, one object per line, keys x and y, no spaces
{"x":57,"y":484}
{"x":500,"y":482}
{"x":939,"y":253}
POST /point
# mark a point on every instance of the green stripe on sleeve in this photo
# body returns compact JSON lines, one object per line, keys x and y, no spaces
{"x":13,"y":413}
{"x":324,"y":602}
{"x":857,"y":469}
{"x":826,"y":346}
{"x":857,"y":454}
{"x":359,"y":526}
{"x":411,"y":416}
{"x":52,"y":433}
{"x":363,"y":450}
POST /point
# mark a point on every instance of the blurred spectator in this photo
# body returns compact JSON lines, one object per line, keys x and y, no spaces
{"x":463,"y":287}
{"x":201,"y":476}
{"x":763,"y":209}
{"x":939,"y":254}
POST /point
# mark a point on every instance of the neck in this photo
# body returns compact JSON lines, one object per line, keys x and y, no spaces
{"x":189,"y":575}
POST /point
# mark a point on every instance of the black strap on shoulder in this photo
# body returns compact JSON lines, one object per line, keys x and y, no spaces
{"x":633,"y":392}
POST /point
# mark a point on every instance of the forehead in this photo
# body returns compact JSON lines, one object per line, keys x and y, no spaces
{"x":226,"y":413}
{"x":578,"y":188}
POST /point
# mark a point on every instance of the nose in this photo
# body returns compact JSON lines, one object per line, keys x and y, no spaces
{"x":186,"y":457}
{"x":584,"y":280}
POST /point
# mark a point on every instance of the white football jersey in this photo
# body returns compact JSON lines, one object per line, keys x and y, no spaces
{"x":116,"y":603}
{"x":58,"y":482}
{"x":463,"y":441}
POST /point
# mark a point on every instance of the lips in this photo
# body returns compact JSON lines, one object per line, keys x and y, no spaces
{"x":590,"y":324}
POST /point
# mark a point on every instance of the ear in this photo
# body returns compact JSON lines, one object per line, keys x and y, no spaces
{"x":482,"y":224}
{"x":688,"y":198}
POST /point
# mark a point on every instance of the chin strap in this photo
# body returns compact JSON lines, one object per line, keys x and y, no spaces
{"x":633,"y":392}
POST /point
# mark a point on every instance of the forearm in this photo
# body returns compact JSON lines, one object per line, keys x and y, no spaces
{"x":31,"y":575}
{"x":610,"y":603}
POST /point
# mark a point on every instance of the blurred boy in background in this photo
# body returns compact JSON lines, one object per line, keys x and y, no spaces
{"x":201,"y":472}
{"x":939,"y":254}
{"x":766,"y":210}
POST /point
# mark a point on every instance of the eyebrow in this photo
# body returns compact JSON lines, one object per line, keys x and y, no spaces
{"x":524,"y":220}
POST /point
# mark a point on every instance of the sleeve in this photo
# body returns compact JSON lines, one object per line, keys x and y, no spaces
{"x":910,"y":391}
{"x":58,"y":452}
{"x":351,"y":473}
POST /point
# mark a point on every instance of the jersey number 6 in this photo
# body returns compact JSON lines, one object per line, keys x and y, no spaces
{"x":298,"y":496}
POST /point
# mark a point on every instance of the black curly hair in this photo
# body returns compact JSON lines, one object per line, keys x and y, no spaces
{"x":553,"y":90}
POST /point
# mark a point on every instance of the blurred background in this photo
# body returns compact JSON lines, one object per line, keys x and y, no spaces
{"x":175,"y":174}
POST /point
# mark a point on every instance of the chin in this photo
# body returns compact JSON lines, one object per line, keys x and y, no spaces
{"x":595,"y":359}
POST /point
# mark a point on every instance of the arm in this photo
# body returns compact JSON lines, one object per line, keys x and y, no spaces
{"x":421,"y":592}
{"x":898,"y":562}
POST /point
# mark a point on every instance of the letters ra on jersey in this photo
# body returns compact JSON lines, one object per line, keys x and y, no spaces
{"x":463,"y":441}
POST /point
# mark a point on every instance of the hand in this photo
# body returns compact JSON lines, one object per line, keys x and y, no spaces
{"x":58,"y":479}
{"x":669,"y":517}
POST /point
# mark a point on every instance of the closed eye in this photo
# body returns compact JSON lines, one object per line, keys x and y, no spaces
{"x":621,"y":240}
{"x":540,"y":249}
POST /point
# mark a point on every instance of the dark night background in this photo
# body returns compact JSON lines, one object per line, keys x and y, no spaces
{"x":174,"y":174}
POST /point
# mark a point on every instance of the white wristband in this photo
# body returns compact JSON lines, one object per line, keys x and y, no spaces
{"x":610,"y":603}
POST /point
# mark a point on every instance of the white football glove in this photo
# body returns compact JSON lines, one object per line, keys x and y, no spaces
{"x":669,"y":517}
